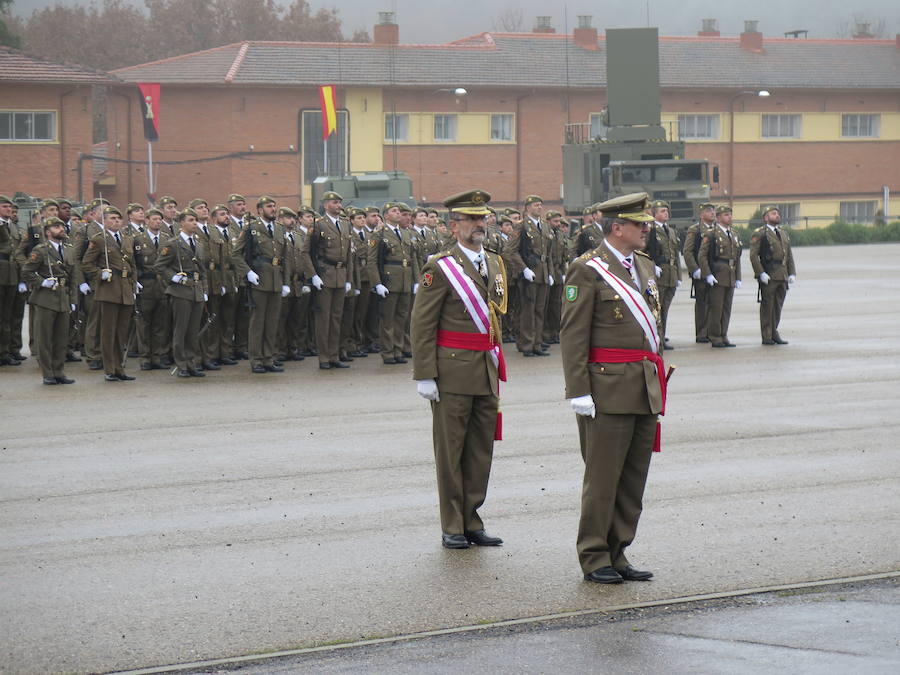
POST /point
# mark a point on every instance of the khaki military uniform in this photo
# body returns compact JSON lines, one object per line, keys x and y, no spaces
{"x":662,"y":247}
{"x":691,"y":251}
{"x":720,"y":255}
{"x":397,"y":269}
{"x":51,"y":306}
{"x":558,"y":264}
{"x":28,"y":239}
{"x":588,"y":238}
{"x":241,"y":329}
{"x":90,"y":325}
{"x":155,"y":313}
{"x":356,"y":307}
{"x":617,"y":443}
{"x":191,"y":264}
{"x":295,"y":307}
{"x":9,"y":283}
{"x":115,"y":298}
{"x":770,"y":252}
{"x":530,"y":246}
{"x":332,"y":257}
{"x":465,"y":417}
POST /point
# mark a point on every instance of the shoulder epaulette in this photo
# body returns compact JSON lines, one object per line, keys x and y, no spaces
{"x":642,"y":253}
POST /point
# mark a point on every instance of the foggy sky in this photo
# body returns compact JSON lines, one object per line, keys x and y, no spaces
{"x":436,"y":21}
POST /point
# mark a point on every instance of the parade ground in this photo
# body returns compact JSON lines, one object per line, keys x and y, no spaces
{"x":165,"y":521}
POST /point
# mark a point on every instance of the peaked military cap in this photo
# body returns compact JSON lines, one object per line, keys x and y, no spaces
{"x":328,"y":196}
{"x":661,"y":204}
{"x":109,"y":208}
{"x":471,"y":203}
{"x":197,"y":202}
{"x":286,"y":211}
{"x":131,"y":208}
{"x":627,"y":207}
{"x":532,"y":199}
{"x":153,"y":212}
{"x":723,"y":208}
{"x":265,"y":199}
{"x":49,"y":202}
{"x":234,"y":197}
{"x":706,"y":205}
{"x":184,"y":214}
{"x":432,"y":212}
{"x":167,"y":200}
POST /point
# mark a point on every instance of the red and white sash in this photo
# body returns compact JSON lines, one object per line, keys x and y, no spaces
{"x":633,"y":300}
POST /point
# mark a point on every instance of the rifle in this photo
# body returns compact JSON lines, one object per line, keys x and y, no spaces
{"x":210,"y":320}
{"x":249,"y":256}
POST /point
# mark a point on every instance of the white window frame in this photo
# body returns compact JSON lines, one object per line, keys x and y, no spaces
{"x":10,"y":137}
{"x":787,"y":125}
{"x":699,"y":127}
{"x":860,"y":125}
{"x":850,"y":211}
{"x":448,"y":124}
{"x":598,"y":129}
{"x":400,"y":127}
{"x":504,"y":125}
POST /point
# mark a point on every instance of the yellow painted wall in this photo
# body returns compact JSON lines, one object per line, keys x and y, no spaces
{"x":814,"y":127}
{"x":813,"y":212}
{"x":366,"y":110}
{"x":471,"y":129}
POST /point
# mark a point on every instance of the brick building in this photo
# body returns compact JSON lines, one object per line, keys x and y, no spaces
{"x":823,"y":144}
{"x":46,"y":123}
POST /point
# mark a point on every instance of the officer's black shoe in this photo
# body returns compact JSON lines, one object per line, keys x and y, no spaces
{"x":133,"y":354}
{"x":356,"y":354}
{"x":209,"y":365}
{"x":312,"y":352}
{"x":17,"y":356}
{"x":65,"y":380}
{"x":225,"y":361}
{"x":668,"y":346}
{"x":193,"y":372}
{"x":454,"y":541}
{"x":275,"y":368}
{"x":719,"y":345}
{"x":373,"y":349}
{"x":702,"y":340}
{"x":482,"y":538}
{"x":124,"y":378}
{"x":407,"y":355}
{"x":277,"y":362}
{"x":338,"y":364}
{"x":528,"y":353}
{"x":96,"y":364}
{"x":157,"y":366}
{"x":541,"y":352}
{"x":729,"y":344}
{"x":50,"y":380}
{"x":242,"y":356}
{"x":346,"y":358}
{"x":779,"y":341}
{"x":390,"y":361}
{"x":146,"y":366}
{"x":399,"y":359}
{"x":554,"y":341}
{"x":166,"y":362}
{"x":629,"y":573}
{"x":545,"y":346}
{"x":768,"y":342}
{"x":325,"y":366}
{"x":184,"y":373}
{"x":297,"y":356}
{"x":109,"y":377}
{"x":604,"y":575}
{"x":508,"y":340}
{"x":71,"y":358}
{"x":8,"y":361}
{"x":257,"y":369}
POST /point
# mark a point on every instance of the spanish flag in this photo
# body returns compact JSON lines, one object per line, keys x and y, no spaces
{"x":329,"y":110}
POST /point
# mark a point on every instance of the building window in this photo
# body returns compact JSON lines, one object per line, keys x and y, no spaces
{"x":790,"y":213}
{"x":314,"y":147}
{"x":396,"y":128}
{"x":858,"y":212}
{"x":860,"y":126}
{"x":502,"y":127}
{"x":698,"y":127}
{"x":781,"y":126}
{"x":598,"y":128}
{"x":20,"y":125}
{"x":445,"y":127}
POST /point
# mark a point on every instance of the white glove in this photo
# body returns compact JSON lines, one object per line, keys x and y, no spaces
{"x":222,"y":291}
{"x":528,"y":274}
{"x":46,"y":283}
{"x":72,"y":307}
{"x":347,"y":286}
{"x":564,"y":278}
{"x":105,"y":275}
{"x":415,"y":288}
{"x":710,"y":279}
{"x":678,"y":283}
{"x":658,"y":270}
{"x":23,"y":287}
{"x":253,"y":278}
{"x":178,"y":278}
{"x":550,"y":279}
{"x":584,"y":405}
{"x":317,"y":282}
{"x":428,"y":389}
{"x":792,"y":278}
{"x":306,"y":289}
{"x":381,"y":290}
{"x":696,"y":273}
{"x":764,"y":278}
{"x":355,"y":291}
{"x":139,"y":286}
{"x":85,"y":289}
{"x":737,"y":283}
{"x":285,"y":291}
{"x":205,"y":297}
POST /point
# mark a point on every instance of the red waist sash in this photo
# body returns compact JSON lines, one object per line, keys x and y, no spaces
{"x":600,"y":355}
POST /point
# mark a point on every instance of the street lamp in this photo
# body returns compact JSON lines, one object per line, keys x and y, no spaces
{"x":761,"y":93}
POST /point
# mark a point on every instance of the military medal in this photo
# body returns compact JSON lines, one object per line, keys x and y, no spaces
{"x":427,"y":279}
{"x":498,"y":285}
{"x":617,"y":312}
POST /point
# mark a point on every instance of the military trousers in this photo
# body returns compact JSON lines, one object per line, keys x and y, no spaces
{"x":263,"y":326}
{"x":372,"y":328}
{"x":329,"y":311}
{"x":156,"y":317}
{"x":348,"y":316}
{"x":701,"y":308}
{"x":186,"y":319}
{"x":90,"y":343}
{"x":616,"y":450}
{"x":218,"y":342}
{"x":242,"y":322}
{"x":553,"y":314}
{"x":395,"y":311}
{"x":360,"y":315}
{"x":532,"y":306}
{"x":114,"y":321}
{"x":7,"y":303}
{"x":51,"y":336}
{"x":511,"y":318}
{"x":463,"y":433}
{"x":772,"y":297}
{"x":292,"y":315}
{"x":666,"y":295}
{"x":18,"y":318}
{"x":720,"y":298}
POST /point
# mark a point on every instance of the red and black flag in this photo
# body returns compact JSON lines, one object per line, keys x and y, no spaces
{"x":150,"y":109}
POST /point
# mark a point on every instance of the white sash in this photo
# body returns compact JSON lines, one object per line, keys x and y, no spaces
{"x":632,"y":299}
{"x":468,"y":292}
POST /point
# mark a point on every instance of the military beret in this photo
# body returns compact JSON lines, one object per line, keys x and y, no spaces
{"x":153,"y":212}
{"x":49,"y":202}
{"x":96,"y":202}
{"x":131,"y":208}
{"x":219,"y":207}
{"x":197,"y":202}
{"x":509,"y":212}
{"x":419,"y":210}
{"x":109,"y":209}
{"x":184,"y":214}
{"x":505,"y":219}
{"x":492,"y":210}
{"x":328,"y":196}
{"x":167,"y":200}
{"x":661,"y":204}
{"x":627,"y":207}
{"x":770,"y":207}
{"x":286,"y":212}
{"x":50,"y":222}
{"x":432,"y":212}
{"x":587,"y":210}
{"x":706,"y":205}
{"x":307,"y":209}
{"x":388,"y":206}
{"x":404,"y":207}
{"x":533,"y":199}
{"x":372,"y":209}
{"x":5,"y":200}
{"x":265,"y":199}
{"x":63,"y":200}
{"x":234,"y":197}
{"x":472,"y":203}
{"x":552,"y":214}
{"x":723,"y":208}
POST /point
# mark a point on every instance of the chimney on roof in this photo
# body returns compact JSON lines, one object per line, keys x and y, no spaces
{"x":751,"y":39}
{"x":542,"y":25}
{"x":387,"y":32}
{"x":585,"y":35}
{"x":710,"y":28}
{"x":863,"y":32}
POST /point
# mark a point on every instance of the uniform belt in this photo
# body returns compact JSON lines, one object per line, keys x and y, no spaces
{"x":339,"y":264}
{"x":148,"y":276}
{"x":120,"y":273}
{"x":402,"y":263}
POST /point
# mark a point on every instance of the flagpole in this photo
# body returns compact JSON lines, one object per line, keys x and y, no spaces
{"x":150,"y":170}
{"x":326,"y":154}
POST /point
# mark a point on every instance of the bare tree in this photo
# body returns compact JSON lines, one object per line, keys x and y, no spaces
{"x":859,"y":25}
{"x":510,"y":19}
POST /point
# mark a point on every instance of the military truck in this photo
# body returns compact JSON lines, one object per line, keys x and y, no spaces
{"x":632,"y":153}
{"x":366,"y":188}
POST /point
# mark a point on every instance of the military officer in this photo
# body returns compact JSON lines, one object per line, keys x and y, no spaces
{"x":109,"y":265}
{"x":662,"y":247}
{"x":237,"y":212}
{"x":259,"y":256}
{"x":590,"y":236}
{"x":10,"y":285}
{"x":136,"y":219}
{"x":773,"y":266}
{"x":81,"y":237}
{"x":457,"y":363}
{"x":156,"y":315}
{"x":296,"y":304}
{"x":182,"y":263}
{"x":51,"y":271}
{"x":212,"y":232}
{"x":169,"y":208}
{"x":691,"y":251}
{"x":720,"y":266}
{"x":356,"y":305}
{"x":306,"y":335}
{"x":558,"y":261}
{"x":394,"y":278}
{"x":615,"y":383}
